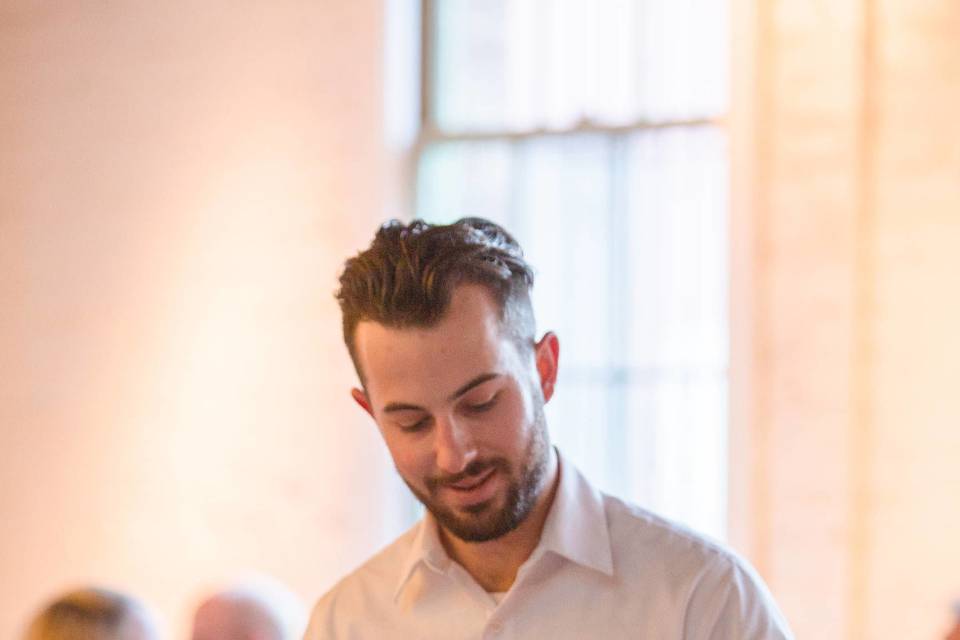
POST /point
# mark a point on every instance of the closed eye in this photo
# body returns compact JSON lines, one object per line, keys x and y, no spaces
{"x":416,"y":426}
{"x":483,"y":406}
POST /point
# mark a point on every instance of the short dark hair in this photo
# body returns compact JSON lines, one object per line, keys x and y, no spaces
{"x":408,"y":274}
{"x":88,"y":612}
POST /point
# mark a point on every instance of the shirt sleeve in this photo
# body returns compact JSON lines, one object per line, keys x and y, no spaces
{"x":731,"y":602}
{"x":321,"y":626}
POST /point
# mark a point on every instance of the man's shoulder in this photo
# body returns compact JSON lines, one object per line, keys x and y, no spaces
{"x":636,"y":528}
{"x":643,"y":542}
{"x":720,"y":588}
{"x":643,"y":545}
{"x":373,"y":581}
{"x":382,"y":568}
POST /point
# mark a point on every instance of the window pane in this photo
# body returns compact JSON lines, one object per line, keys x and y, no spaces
{"x":676,"y":231}
{"x":458,"y":179}
{"x":627,"y":235}
{"x":503,"y":65}
{"x":563,"y":209}
{"x":468,"y":68}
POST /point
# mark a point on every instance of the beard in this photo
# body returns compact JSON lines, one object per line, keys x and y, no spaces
{"x":483,"y":522}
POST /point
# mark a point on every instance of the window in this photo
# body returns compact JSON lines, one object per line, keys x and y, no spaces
{"x":592,"y":129}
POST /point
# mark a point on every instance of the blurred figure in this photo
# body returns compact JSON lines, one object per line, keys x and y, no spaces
{"x":93,"y":614}
{"x":255,"y":611}
{"x":954,"y":633}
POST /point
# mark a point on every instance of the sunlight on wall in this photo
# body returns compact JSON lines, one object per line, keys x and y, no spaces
{"x":847,"y":188}
{"x":181,"y":185}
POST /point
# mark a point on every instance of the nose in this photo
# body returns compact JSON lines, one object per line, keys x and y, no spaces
{"x":453,"y":446}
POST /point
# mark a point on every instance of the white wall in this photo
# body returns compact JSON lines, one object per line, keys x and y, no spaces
{"x":846,"y":353}
{"x":179,"y":184}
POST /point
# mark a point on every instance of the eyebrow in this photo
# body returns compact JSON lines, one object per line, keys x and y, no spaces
{"x":476,"y":382}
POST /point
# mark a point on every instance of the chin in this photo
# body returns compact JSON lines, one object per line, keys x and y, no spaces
{"x":484,"y":521}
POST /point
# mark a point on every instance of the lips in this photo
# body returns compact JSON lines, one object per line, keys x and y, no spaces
{"x":472,"y":491}
{"x":472,"y":482}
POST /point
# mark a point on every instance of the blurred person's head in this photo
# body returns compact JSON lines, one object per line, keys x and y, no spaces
{"x":954,"y":633}
{"x":93,"y":614}
{"x":407,"y":277}
{"x":255,"y":611}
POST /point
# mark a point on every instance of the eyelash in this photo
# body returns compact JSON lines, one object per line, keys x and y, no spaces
{"x":483,"y":406}
{"x":416,"y":426}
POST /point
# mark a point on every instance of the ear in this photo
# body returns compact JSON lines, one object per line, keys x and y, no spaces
{"x":361,"y":399}
{"x":547,"y":354}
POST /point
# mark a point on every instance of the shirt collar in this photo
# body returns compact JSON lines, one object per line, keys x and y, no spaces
{"x":425,"y":549}
{"x":575,"y":528}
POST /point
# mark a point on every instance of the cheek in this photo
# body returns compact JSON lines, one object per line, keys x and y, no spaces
{"x":410,"y":457}
{"x":511,"y":425}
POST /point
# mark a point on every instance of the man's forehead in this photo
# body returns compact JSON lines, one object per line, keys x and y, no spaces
{"x":389,"y":354}
{"x":417,"y":364}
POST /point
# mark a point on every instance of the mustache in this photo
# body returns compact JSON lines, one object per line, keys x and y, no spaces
{"x":475,"y":468}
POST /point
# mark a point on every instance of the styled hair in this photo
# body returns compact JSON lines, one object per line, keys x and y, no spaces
{"x":91,"y":614}
{"x":407,"y":276}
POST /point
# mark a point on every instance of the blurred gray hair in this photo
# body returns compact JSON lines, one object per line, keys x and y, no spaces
{"x":271,"y":602}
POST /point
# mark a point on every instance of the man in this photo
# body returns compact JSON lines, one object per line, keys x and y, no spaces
{"x":93,"y":614}
{"x":254,"y":611}
{"x":515,"y":543}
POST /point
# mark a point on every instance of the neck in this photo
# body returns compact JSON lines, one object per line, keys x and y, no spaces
{"x":494,"y":564}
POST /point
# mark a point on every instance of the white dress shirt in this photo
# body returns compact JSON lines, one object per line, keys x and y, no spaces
{"x":602,"y":569}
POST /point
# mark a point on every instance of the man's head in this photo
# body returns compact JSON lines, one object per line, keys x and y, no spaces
{"x":93,"y":614}
{"x":439,"y":325}
{"x":255,"y":611}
